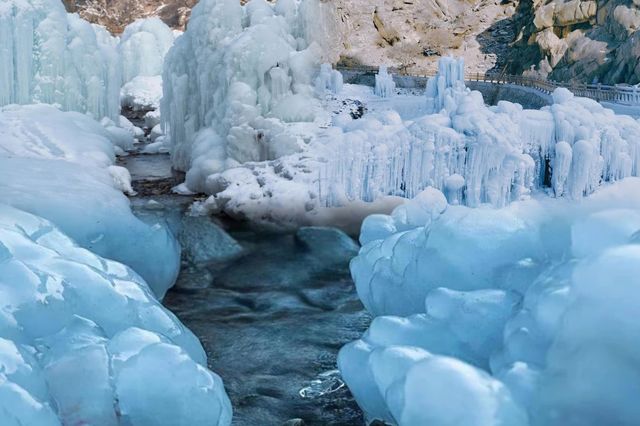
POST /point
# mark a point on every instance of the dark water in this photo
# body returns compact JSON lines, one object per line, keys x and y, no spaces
{"x":271,"y":321}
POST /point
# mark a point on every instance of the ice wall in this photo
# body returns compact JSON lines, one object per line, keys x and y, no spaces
{"x":51,"y":57}
{"x":516,"y":311}
{"x":84,"y":341}
{"x":236,"y":78}
{"x":447,"y":87}
{"x":481,"y":154}
{"x":143,"y":46}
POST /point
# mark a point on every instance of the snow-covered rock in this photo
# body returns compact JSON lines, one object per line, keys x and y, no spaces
{"x":142,"y":93}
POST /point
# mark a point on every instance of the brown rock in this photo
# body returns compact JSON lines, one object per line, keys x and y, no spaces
{"x":388,"y":34}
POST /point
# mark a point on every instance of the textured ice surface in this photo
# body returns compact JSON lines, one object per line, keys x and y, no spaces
{"x":84,"y":341}
{"x":143,"y":45}
{"x":233,"y":80}
{"x":59,"y":165}
{"x":52,"y":57}
{"x":478,"y":154}
{"x":286,"y":162}
{"x":516,"y":311}
{"x":142,"y":48}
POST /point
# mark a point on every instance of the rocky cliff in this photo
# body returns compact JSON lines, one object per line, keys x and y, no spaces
{"x":579,"y":40}
{"x":117,"y":14}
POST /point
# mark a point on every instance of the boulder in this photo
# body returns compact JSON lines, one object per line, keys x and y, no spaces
{"x":574,"y":12}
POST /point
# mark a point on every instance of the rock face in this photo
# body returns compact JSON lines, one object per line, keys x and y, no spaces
{"x":583,"y":41}
{"x":413,"y":34}
{"x":117,"y":14}
{"x":578,"y":40}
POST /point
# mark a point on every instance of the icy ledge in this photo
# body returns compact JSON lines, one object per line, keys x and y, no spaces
{"x":60,"y":166}
{"x":513,"y":316}
{"x":84,"y":341}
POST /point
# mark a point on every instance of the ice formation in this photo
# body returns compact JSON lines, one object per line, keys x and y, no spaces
{"x":143,"y":46}
{"x":500,"y":316}
{"x":51,"y":57}
{"x":268,"y":145}
{"x":385,"y":86}
{"x":481,"y":154}
{"x":84,"y":341}
{"x":329,"y":79}
{"x":44,"y":151}
{"x":142,"y":93}
{"x":238,"y":79}
{"x":447,"y":87}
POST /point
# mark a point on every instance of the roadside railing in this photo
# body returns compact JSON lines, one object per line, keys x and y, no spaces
{"x":623,"y":94}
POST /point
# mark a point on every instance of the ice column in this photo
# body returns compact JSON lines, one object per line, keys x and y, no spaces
{"x":447,"y":83}
{"x":385,"y":86}
{"x":328,"y":79}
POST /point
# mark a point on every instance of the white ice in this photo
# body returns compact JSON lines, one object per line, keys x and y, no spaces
{"x":534,"y":302}
{"x":271,"y":135}
{"x":385,"y":86}
{"x":52,"y":57}
{"x":83,"y":340}
{"x":60,"y":166}
{"x":142,"y":48}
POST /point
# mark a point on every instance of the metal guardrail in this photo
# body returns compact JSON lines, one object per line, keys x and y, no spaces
{"x":628,"y":95}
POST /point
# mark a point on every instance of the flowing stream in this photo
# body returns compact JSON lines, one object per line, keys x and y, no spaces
{"x":271,"y":318}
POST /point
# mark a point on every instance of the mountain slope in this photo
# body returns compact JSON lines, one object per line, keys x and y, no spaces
{"x":579,"y":40}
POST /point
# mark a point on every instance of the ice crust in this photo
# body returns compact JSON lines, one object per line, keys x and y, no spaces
{"x":44,"y":151}
{"x":500,"y":316}
{"x":52,"y":57}
{"x":83,"y":340}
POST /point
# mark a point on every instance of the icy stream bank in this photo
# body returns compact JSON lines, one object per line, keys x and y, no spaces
{"x":271,"y":315}
{"x":271,"y":323}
